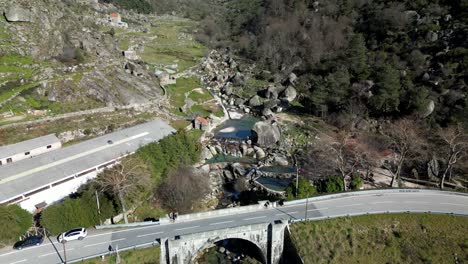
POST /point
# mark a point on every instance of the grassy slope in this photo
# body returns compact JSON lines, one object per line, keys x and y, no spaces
{"x":400,"y":238}
{"x":142,"y":256}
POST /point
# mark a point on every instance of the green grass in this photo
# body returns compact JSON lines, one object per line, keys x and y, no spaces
{"x":142,"y":256}
{"x":393,"y":238}
{"x":164,"y":45}
{"x":6,"y":95}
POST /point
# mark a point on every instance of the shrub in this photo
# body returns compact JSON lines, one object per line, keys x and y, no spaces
{"x":334,"y":184}
{"x":14,"y":222}
{"x":76,"y":212}
{"x":171,"y":152}
{"x":306,"y":189}
{"x":356,"y":182}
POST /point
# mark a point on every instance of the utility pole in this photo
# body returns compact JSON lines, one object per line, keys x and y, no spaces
{"x":98,"y":206}
{"x":64,"y":252}
{"x":297,"y":174}
{"x":307,"y":205}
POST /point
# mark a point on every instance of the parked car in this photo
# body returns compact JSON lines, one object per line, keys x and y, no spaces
{"x":74,"y":234}
{"x":29,"y":242}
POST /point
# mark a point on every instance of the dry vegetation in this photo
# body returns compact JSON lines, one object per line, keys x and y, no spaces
{"x":399,"y":238}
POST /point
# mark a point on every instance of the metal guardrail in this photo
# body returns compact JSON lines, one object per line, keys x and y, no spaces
{"x":369,"y":192}
{"x":373,"y":213}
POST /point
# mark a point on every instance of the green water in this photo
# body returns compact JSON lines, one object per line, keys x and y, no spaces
{"x":242,"y":127}
{"x":229,"y":158}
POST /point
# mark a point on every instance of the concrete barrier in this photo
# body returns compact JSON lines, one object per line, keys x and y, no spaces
{"x":220,"y":212}
{"x":136,"y":224}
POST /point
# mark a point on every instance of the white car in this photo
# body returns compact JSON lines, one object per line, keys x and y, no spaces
{"x":74,"y":234}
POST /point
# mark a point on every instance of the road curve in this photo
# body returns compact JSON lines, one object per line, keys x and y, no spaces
{"x":356,"y":203}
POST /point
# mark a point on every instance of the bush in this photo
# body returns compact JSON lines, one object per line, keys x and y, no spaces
{"x":14,"y":222}
{"x":171,"y":152}
{"x":356,"y":182}
{"x":306,"y":189}
{"x":334,"y":184}
{"x":77,"y":212}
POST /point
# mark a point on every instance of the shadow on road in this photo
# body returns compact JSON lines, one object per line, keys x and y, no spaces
{"x":56,"y":250}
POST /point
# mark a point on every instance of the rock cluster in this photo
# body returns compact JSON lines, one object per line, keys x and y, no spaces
{"x":226,"y":78}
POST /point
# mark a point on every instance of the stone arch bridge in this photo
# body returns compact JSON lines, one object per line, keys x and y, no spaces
{"x":268,"y":237}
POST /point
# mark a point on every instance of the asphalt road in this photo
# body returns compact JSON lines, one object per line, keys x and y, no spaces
{"x":98,"y":242}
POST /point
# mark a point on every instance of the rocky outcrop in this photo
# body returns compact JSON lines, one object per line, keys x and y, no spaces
{"x":16,"y":13}
{"x":266,"y":133}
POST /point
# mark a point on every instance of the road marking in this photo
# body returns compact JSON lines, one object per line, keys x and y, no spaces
{"x":317,"y":209}
{"x":186,"y":228}
{"x":454,"y":204}
{"x":107,"y":242}
{"x":288,"y":213}
{"x":150,"y":234}
{"x":348,"y":205}
{"x":48,"y":254}
{"x":65,"y":160}
{"x":220,"y":223}
{"x":257,"y":217}
{"x":19,"y":261}
{"x":384,"y":202}
{"x":120,"y":231}
{"x":414,"y":202}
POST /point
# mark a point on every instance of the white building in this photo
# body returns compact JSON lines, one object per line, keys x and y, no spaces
{"x":47,"y":178}
{"x":28,"y":149}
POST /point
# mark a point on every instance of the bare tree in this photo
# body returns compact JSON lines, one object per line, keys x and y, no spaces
{"x":453,"y":147}
{"x":344,"y":156}
{"x":404,"y":138}
{"x":126,"y":179}
{"x":182,"y":189}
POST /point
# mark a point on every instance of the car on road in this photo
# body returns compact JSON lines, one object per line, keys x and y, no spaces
{"x":74,"y":234}
{"x":29,"y":242}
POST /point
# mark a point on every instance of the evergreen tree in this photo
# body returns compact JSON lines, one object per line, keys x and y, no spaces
{"x":357,"y":57}
{"x":387,"y":95}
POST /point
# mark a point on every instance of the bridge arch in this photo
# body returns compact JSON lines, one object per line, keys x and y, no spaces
{"x":256,"y":248}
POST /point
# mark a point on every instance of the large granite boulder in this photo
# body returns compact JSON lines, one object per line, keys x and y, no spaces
{"x":289,"y":94}
{"x":16,"y":13}
{"x":255,"y":101}
{"x":265,"y":133}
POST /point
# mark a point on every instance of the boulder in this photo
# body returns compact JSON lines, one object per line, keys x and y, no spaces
{"x":292,"y":78}
{"x":16,"y":13}
{"x":228,"y":89}
{"x":429,"y":108}
{"x":281,"y":160}
{"x":206,"y":154}
{"x":271,"y":92}
{"x":266,"y":112}
{"x":212,"y":150}
{"x":432,"y":36}
{"x":265,"y":133}
{"x":255,"y":101}
{"x":228,"y":175}
{"x":259,"y":153}
{"x":289,"y":94}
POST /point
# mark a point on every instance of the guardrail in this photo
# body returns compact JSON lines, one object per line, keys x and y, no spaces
{"x":109,"y":253}
{"x":369,"y":192}
{"x":372,"y":213}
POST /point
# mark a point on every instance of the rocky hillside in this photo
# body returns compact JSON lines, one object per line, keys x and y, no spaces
{"x":66,"y":53}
